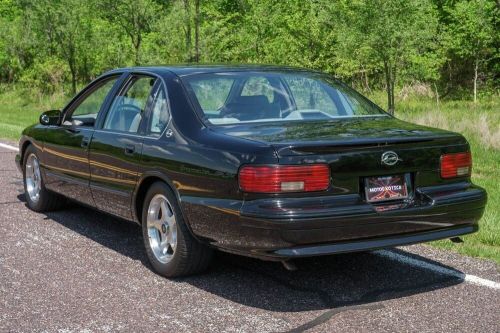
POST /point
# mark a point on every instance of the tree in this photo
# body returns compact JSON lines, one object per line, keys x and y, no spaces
{"x":472,"y":34}
{"x":135,"y":17}
{"x":197,"y":18}
{"x":15,"y":46}
{"x":372,"y":44}
{"x":62,"y":29}
{"x":187,"y":26}
{"x":389,"y":33}
{"x":189,"y":19}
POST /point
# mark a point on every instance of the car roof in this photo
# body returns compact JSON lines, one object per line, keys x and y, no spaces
{"x":191,"y":69}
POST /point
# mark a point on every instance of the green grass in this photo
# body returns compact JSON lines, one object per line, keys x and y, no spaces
{"x":20,"y":108}
{"x":479,"y":123}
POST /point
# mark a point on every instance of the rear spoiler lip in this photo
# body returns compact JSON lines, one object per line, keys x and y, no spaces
{"x":321,"y":147}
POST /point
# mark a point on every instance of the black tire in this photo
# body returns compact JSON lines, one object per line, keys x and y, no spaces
{"x":47,"y":200}
{"x":190,"y":256}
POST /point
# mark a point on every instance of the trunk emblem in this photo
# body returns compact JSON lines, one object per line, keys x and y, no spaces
{"x":390,"y":158}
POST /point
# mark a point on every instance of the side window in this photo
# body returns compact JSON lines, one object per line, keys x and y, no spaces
{"x":258,"y":85}
{"x":90,"y":106}
{"x":159,"y":113}
{"x":128,"y":107}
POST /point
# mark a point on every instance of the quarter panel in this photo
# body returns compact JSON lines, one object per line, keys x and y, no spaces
{"x":201,"y":175}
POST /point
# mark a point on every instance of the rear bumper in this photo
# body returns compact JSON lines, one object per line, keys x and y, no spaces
{"x":285,"y":228}
{"x":371,"y":244}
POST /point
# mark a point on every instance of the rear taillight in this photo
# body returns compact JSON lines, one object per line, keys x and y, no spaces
{"x":456,"y":165}
{"x":284,"y":178}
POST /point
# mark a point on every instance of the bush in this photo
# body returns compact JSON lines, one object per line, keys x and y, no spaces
{"x":46,"y":77}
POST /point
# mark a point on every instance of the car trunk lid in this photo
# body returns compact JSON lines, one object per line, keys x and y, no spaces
{"x":354,"y":148}
{"x":354,"y":134}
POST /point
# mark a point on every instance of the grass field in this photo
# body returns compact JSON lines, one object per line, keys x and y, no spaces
{"x":19,"y":108}
{"x":479,"y":123}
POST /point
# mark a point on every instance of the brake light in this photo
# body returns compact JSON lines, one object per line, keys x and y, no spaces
{"x":456,"y":165}
{"x":284,"y":178}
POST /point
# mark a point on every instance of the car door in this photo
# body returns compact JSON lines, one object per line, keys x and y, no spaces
{"x":65,"y":152}
{"x":116,"y":146}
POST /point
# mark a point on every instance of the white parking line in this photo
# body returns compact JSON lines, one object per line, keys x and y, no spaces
{"x":3,"y":145}
{"x":438,"y":269}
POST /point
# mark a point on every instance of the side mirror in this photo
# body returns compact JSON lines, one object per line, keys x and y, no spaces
{"x":51,"y":118}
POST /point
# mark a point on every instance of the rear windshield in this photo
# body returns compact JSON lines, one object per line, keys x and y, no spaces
{"x":237,"y":97}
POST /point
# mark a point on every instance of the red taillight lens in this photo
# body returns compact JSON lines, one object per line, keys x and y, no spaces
{"x":284,"y":178}
{"x":456,"y":165}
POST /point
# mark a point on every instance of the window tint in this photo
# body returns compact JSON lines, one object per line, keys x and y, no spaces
{"x":90,"y":106}
{"x":352,"y":102}
{"x":159,"y":113}
{"x":311,"y":94}
{"x":127,"y":109}
{"x":252,"y":96}
{"x":212,"y":92}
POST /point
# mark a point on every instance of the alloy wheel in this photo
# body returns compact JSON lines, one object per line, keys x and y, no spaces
{"x":33,"y":178}
{"x":162,"y":228}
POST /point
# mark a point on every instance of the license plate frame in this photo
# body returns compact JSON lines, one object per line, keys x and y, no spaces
{"x":386,"y":188}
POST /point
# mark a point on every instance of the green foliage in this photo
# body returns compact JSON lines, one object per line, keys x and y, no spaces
{"x":134,"y":17}
{"x":398,"y":36}
{"x":46,"y":77}
{"x":19,"y":108}
{"x":62,"y":30}
{"x":471,"y":30}
{"x":472,"y":35}
{"x":372,"y":44}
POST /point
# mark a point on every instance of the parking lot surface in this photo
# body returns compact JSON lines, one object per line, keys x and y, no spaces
{"x":77,"y":270}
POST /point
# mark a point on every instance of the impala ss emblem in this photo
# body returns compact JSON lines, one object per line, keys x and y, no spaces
{"x":390,"y":158}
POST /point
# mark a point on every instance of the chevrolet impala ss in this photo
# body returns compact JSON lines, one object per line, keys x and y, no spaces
{"x":270,"y":162}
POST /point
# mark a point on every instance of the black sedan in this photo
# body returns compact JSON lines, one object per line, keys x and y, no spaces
{"x":270,"y":162}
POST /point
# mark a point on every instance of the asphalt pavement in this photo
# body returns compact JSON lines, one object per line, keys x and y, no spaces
{"x":77,"y":270}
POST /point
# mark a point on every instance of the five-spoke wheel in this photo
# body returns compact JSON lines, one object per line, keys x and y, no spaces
{"x":33,"y":178}
{"x":170,"y":246}
{"x":162,"y":228}
{"x":37,"y":196}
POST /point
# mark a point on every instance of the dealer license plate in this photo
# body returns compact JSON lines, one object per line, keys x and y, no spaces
{"x":385,"y":188}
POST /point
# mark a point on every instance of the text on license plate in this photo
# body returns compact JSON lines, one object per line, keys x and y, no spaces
{"x":385,"y":188}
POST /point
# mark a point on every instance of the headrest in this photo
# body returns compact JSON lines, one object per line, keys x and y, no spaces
{"x":260,"y":100}
{"x":247,"y":107}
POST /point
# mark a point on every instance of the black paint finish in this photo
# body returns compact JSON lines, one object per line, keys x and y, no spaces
{"x":111,"y":171}
{"x":65,"y":162}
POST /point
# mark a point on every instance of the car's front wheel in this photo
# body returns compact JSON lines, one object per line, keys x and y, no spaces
{"x":170,"y":247}
{"x":37,"y":196}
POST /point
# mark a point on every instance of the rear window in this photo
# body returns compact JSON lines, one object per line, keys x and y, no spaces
{"x":211,"y":94}
{"x":238,"y":97}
